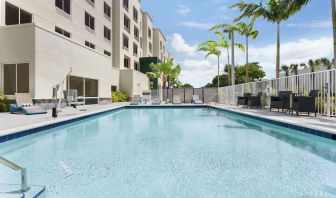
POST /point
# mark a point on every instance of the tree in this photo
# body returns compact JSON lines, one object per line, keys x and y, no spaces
{"x":223,"y":42}
{"x":314,"y":64}
{"x":326,"y":62}
{"x":230,"y":29}
{"x":285,"y":69}
{"x":211,"y":48}
{"x":256,"y":72}
{"x":187,"y":85}
{"x":294,"y":68}
{"x":248,"y":31}
{"x":275,"y":11}
{"x":223,"y":80}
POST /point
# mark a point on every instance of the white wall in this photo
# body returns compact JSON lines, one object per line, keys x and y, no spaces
{"x":133,"y":82}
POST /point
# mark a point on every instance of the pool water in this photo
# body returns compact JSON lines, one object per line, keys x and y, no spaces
{"x":181,"y":152}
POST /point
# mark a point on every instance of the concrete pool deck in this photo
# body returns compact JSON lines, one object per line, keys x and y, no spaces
{"x":12,"y":123}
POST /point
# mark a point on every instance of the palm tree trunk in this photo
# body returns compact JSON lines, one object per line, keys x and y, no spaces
{"x":218,"y":73}
{"x":278,"y":51}
{"x":232,"y":59}
{"x":229,"y":73}
{"x":247,"y":61}
{"x":333,"y":4}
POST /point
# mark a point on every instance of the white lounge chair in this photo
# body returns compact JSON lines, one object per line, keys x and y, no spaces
{"x":24,"y":104}
{"x":156,"y":101}
{"x":176,"y":99}
{"x":146,"y":96}
{"x":196,"y":100}
{"x":136,"y":100}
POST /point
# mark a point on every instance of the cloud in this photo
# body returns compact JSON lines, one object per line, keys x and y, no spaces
{"x":197,"y":25}
{"x":182,"y":10}
{"x":199,"y":72}
{"x":179,"y":45}
{"x":312,"y":24}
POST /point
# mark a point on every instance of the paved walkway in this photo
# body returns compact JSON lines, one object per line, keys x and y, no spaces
{"x":319,"y":122}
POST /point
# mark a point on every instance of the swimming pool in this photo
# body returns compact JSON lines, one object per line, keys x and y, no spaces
{"x":174,"y":152}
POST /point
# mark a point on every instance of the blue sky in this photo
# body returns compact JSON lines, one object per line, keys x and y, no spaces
{"x":306,"y":35}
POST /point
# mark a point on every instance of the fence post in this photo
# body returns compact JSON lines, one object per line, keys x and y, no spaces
{"x":184,"y":95}
{"x":328,"y":92}
{"x":203,"y":94}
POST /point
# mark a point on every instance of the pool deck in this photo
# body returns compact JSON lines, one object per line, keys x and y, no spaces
{"x":13,"y":123}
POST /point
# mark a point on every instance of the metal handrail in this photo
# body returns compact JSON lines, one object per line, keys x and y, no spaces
{"x":24,"y":185}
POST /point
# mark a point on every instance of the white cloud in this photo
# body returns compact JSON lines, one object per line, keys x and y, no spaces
{"x":179,"y":45}
{"x":182,"y":10}
{"x":198,"y":72}
{"x":197,"y":25}
{"x":312,"y":24}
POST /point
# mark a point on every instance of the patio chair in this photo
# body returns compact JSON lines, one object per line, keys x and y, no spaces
{"x":176,"y":99}
{"x":282,"y":101}
{"x":242,"y":100}
{"x":196,"y":100}
{"x":255,"y":101}
{"x":71,"y":98}
{"x":136,"y":100}
{"x":305,"y":104}
{"x":24,"y":104}
{"x":146,"y":96}
{"x":156,"y":100}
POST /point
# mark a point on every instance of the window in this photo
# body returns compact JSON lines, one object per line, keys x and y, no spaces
{"x":107,"y":53}
{"x":150,"y":47}
{"x":63,"y":32}
{"x":107,"y":10}
{"x":136,"y":66}
{"x":140,"y":42}
{"x":160,"y":45}
{"x":107,"y":33}
{"x":126,"y":23}
{"x":135,"y":14}
{"x":91,"y":2}
{"x":89,"y":21}
{"x":14,"y":15}
{"x":85,"y":87}
{"x":125,"y":42}
{"x":125,"y":3}
{"x":63,"y":5}
{"x":16,"y":78}
{"x":136,"y":33}
{"x":135,"y":49}
{"x":113,"y":88}
{"x":149,"y":33}
{"x":90,"y":45}
{"x":126,"y":62}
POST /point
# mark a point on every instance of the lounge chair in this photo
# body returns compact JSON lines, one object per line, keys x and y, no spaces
{"x":146,"y":96}
{"x":176,"y":99}
{"x":71,"y":98}
{"x":196,"y":100}
{"x":305,"y":104}
{"x":136,"y":100}
{"x":282,"y":101}
{"x":156,"y":101}
{"x":255,"y":101}
{"x":24,"y":104}
{"x":242,"y":100}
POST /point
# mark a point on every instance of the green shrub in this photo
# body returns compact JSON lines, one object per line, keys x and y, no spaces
{"x":119,"y":96}
{"x":3,"y":102}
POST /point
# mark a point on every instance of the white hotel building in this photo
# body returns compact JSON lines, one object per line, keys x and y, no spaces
{"x":101,"y":40}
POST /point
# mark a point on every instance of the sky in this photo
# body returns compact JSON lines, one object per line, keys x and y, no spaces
{"x":186,"y":23}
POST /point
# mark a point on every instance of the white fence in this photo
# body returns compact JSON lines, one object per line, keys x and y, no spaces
{"x":324,"y":81}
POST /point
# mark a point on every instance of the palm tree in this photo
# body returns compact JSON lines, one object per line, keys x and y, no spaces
{"x":285,"y":69}
{"x":314,"y":64}
{"x":248,"y":31}
{"x":211,"y":48}
{"x":230,"y":29}
{"x":173,"y":75}
{"x":223,"y":42}
{"x":326,"y":62}
{"x":294,"y":68}
{"x":275,"y":11}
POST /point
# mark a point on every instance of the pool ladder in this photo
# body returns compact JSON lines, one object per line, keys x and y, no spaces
{"x":24,"y":185}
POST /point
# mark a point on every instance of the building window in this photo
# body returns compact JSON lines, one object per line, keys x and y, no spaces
{"x":160,"y":45}
{"x":114,"y":88}
{"x":107,"y":53}
{"x":125,"y":42}
{"x":136,"y":33}
{"x":14,"y":15}
{"x":126,"y":23}
{"x":135,"y":49}
{"x":107,"y":10}
{"x":63,"y":32}
{"x":126,"y":4}
{"x":107,"y":33}
{"x":16,"y":78}
{"x":63,"y":5}
{"x":126,"y":62}
{"x":149,"y":33}
{"x":90,"y":45}
{"x":150,"y":47}
{"x":140,"y":42}
{"x":89,"y":21}
{"x":91,"y":2}
{"x":135,"y":14}
{"x":136,"y":66}
{"x":85,"y":87}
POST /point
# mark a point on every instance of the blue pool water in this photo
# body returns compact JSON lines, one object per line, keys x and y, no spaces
{"x":174,"y":153}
